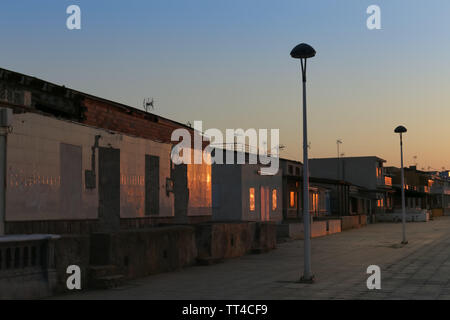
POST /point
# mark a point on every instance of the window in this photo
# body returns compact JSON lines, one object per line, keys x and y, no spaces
{"x":388,"y":181}
{"x":252,"y":199}
{"x":297,"y":171}
{"x":379,"y":172}
{"x":274,"y":199}
{"x":380,"y":203}
{"x":292,"y":199}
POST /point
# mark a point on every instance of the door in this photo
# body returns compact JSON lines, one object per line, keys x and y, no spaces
{"x":71,"y":180}
{"x":151,"y":185}
{"x":109,"y":189}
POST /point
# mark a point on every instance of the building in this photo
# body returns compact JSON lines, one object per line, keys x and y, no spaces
{"x":423,"y":190}
{"x":371,"y":185}
{"x":327,"y":197}
{"x":240,"y":192}
{"x":80,"y":163}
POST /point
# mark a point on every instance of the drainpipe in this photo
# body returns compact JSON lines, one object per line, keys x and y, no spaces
{"x":5,"y":122}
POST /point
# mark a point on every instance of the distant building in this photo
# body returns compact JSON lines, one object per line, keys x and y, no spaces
{"x":327,"y":197}
{"x":423,"y":190}
{"x":372,"y":186}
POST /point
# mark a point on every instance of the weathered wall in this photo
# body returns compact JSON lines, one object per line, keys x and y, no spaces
{"x":71,"y":250}
{"x":438,"y":212}
{"x":199,"y":182}
{"x":334,"y":226}
{"x":40,"y":187}
{"x":318,"y":229}
{"x":351,"y":222}
{"x":216,"y":241}
{"x":144,"y":252}
{"x":106,"y":114}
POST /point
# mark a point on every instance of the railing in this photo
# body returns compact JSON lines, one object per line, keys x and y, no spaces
{"x":26,"y":252}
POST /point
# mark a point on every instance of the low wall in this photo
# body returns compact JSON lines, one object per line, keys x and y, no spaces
{"x":318,"y":229}
{"x":446,"y":211}
{"x":92,"y":225}
{"x":397,"y":217}
{"x":27,"y":266}
{"x":216,"y":241}
{"x":128,"y":254}
{"x":437,"y":212}
{"x":52,"y":227}
{"x":139,"y":253}
{"x":71,"y":250}
{"x":353,"y":222}
{"x":334,"y":226}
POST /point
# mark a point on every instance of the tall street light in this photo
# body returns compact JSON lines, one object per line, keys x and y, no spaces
{"x":304,"y":51}
{"x":401,"y":130}
{"x":338,"y":142}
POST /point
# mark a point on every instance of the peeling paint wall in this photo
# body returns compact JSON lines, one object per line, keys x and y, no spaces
{"x":36,"y":150}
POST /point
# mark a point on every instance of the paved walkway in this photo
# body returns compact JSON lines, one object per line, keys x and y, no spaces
{"x":419,"y":270}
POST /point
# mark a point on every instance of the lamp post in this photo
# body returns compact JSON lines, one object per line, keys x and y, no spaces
{"x":304,"y":51}
{"x":401,"y":130}
{"x":338,"y":142}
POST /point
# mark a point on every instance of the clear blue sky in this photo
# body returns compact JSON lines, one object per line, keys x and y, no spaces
{"x":227,"y":63}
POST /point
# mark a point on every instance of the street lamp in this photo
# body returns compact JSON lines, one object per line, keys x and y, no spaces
{"x":338,"y":142}
{"x":401,"y":130}
{"x":304,"y":51}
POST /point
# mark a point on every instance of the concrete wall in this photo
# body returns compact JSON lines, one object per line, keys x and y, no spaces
{"x":318,"y":229}
{"x":71,"y":250}
{"x":423,"y":216}
{"x":229,"y":240}
{"x":334,"y":226}
{"x":34,"y":170}
{"x":145,"y":252}
{"x":351,"y":222}
{"x":437,"y":212}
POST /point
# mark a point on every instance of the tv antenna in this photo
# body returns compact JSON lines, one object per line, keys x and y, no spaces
{"x":148,"y":104}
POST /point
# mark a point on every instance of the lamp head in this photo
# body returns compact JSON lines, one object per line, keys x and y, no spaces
{"x":400,"y":129}
{"x":303,"y":51}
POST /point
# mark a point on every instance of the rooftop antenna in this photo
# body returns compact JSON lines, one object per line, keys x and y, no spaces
{"x":148,"y":104}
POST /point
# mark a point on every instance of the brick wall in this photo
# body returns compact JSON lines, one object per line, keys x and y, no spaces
{"x":109,"y":115}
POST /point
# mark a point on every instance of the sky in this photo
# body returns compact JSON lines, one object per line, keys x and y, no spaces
{"x":227,"y":63}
